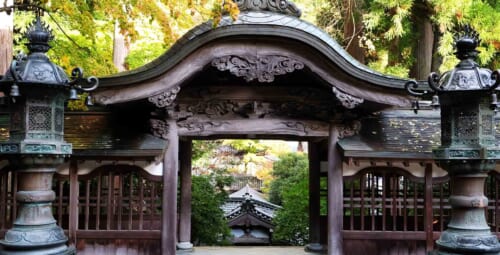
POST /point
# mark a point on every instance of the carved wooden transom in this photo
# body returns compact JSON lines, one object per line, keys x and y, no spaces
{"x":261,"y":68}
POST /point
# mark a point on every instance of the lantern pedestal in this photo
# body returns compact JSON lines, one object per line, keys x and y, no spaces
{"x":468,"y":232}
{"x":35,"y":231}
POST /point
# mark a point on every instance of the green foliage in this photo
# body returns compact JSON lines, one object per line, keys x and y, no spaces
{"x":90,"y":26}
{"x":390,"y":38}
{"x":204,"y":148}
{"x":144,"y":54}
{"x":79,"y":104}
{"x":292,"y":220}
{"x":209,"y":226}
{"x":290,"y":169}
{"x":290,"y":188}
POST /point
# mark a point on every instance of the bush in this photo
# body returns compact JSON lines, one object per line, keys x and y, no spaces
{"x":209,"y":227}
{"x":291,"y":189}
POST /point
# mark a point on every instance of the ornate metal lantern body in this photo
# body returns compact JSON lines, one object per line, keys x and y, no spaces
{"x":468,"y":149}
{"x":37,"y":90}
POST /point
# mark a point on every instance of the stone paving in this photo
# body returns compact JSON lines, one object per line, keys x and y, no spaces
{"x":247,"y":250}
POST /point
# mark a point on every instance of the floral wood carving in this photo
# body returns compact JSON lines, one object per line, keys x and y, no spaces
{"x":166,"y":98}
{"x":350,"y":129}
{"x":262,"y":68}
{"x":279,"y":6}
{"x":348,"y":101}
{"x":159,"y":128}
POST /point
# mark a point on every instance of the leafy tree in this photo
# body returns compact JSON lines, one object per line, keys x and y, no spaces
{"x":290,"y":188}
{"x":209,"y":226}
{"x":288,"y":170}
{"x":90,"y":26}
{"x":409,"y":38}
{"x":292,"y":220}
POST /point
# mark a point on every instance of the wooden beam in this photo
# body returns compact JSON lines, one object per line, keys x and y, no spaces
{"x":384,"y":235}
{"x":115,"y":234}
{"x":169,"y":206}
{"x":252,"y":127}
{"x":335,"y":194}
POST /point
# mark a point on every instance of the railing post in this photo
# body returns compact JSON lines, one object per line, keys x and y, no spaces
{"x":73,"y":200}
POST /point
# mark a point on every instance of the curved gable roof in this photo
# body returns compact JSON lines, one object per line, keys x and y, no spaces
{"x":251,"y":25}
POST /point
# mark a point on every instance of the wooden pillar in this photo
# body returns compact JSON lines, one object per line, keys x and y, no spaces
{"x":428,"y":208}
{"x":185,"y":196}
{"x":335,"y":194}
{"x":169,"y":206}
{"x":6,"y":41}
{"x":73,"y":201}
{"x":314,"y":198}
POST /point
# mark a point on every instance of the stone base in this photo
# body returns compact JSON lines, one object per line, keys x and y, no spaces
{"x":315,"y":248}
{"x":185,"y":246}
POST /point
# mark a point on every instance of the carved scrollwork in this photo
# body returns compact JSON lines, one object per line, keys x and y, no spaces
{"x":302,"y":126}
{"x":348,"y":101}
{"x":201,"y":126}
{"x":166,"y":98}
{"x":262,"y":68}
{"x":159,"y":128}
{"x":279,"y":6}
{"x":212,"y":108}
{"x":350,"y":129}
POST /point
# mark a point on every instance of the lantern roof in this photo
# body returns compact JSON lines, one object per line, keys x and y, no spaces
{"x":467,"y":75}
{"x":36,"y":67}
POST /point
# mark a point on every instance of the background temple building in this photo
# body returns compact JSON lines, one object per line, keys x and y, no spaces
{"x":267,"y":75}
{"x":250,"y":217}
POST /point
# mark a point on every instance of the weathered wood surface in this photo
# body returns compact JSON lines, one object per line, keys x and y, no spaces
{"x":335,"y":193}
{"x":169,"y":204}
{"x":186,"y":195}
{"x":268,"y":127}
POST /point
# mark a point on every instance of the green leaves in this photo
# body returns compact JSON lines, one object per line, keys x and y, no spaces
{"x":290,"y":188}
{"x":209,"y":226}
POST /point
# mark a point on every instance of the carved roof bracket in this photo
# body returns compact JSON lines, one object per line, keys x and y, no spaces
{"x":262,"y":68}
{"x":280,"y":6}
{"x":165,"y":98}
{"x":159,"y":128}
{"x":348,"y":101}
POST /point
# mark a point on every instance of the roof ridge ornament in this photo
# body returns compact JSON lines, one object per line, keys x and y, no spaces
{"x":39,"y":35}
{"x":280,"y":6}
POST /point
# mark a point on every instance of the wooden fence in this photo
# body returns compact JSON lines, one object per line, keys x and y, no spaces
{"x":115,"y":204}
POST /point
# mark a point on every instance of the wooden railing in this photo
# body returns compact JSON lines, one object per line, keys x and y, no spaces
{"x":124,"y":202}
{"x":113,"y":203}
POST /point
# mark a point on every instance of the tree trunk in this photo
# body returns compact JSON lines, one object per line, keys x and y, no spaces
{"x":6,"y":25}
{"x":120,"y":50}
{"x":352,"y":30}
{"x":424,"y":43}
